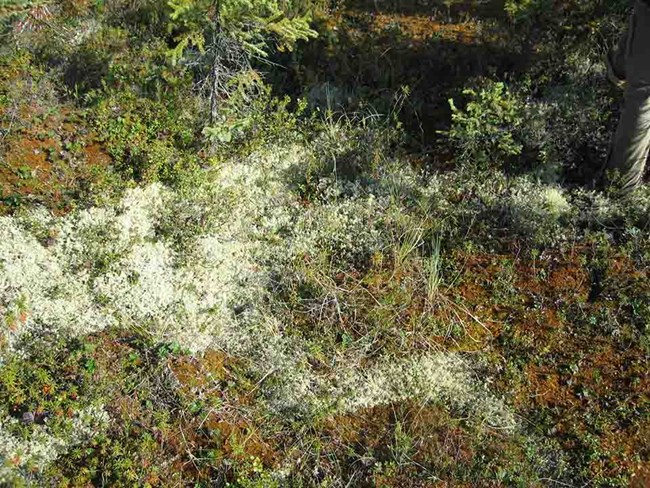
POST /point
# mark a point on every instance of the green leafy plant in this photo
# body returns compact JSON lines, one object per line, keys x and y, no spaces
{"x":485,"y":132}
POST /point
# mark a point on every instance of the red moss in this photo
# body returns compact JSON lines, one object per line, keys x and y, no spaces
{"x":39,"y":168}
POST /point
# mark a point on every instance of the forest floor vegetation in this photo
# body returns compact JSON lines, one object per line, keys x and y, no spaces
{"x":379,"y":263}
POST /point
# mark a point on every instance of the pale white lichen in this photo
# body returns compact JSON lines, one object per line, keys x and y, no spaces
{"x":439,"y":378}
{"x":555,"y":201}
{"x":25,"y":456}
{"x":49,"y":297}
{"x":197,"y":267}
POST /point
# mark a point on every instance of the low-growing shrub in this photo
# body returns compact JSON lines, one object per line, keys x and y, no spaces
{"x":146,"y":141}
{"x":562,"y":132}
{"x":487,"y":132}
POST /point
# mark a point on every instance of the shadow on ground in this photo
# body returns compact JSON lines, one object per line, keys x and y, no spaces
{"x":368,"y":50}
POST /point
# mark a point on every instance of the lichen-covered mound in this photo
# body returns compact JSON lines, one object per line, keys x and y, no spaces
{"x":201,"y":268}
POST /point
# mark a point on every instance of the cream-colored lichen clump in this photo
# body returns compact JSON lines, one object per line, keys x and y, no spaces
{"x":438,"y":378}
{"x":32,"y":455}
{"x":181,"y":266}
{"x":198,"y":266}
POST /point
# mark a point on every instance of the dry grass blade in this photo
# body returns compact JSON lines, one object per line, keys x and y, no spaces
{"x":433,"y":270}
